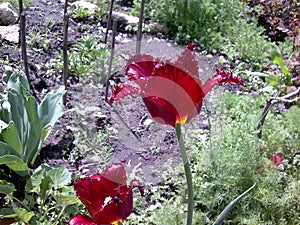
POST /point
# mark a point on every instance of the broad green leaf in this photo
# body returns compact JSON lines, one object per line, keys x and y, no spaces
{"x":277,"y":58}
{"x":23,"y":214}
{"x":17,"y":113}
{"x":15,"y":163}
{"x":65,"y":200}
{"x":14,"y":80}
{"x":5,"y":149}
{"x":11,"y":137}
{"x":34,"y":181}
{"x":51,"y":108}
{"x":34,"y":131}
{"x":229,"y":207}
{"x":60,"y":176}
{"x":66,"y":197}
{"x":46,"y":188}
{"x":7,"y":213}
{"x":273,"y":80}
{"x":6,"y":187}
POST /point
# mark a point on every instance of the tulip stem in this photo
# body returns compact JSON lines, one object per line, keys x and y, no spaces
{"x":188,"y":174}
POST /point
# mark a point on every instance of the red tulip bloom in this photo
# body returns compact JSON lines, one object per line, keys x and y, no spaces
{"x":106,"y":196}
{"x":172,"y":91}
{"x":277,"y":158}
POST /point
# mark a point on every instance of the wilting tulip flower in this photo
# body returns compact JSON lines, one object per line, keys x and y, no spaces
{"x":106,"y":196}
{"x":172,"y":91}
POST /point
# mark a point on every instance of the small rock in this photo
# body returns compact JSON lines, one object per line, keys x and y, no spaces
{"x":8,"y":15}
{"x":123,"y":19}
{"x":10,"y":33}
{"x":157,"y":28}
{"x":92,"y":8}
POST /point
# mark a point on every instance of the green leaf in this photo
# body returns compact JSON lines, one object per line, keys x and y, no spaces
{"x":23,"y":214}
{"x":17,"y":113}
{"x":7,"y":213}
{"x":34,"y":131}
{"x":15,"y":80}
{"x":11,"y":137}
{"x":5,"y":149}
{"x":66,"y":197}
{"x":273,"y":80}
{"x":6,"y":187}
{"x":277,"y":58}
{"x":51,"y":108}
{"x":65,"y":200}
{"x":34,"y":181}
{"x":229,"y":207}
{"x":15,"y":163}
{"x":46,"y":188}
{"x":60,"y":176}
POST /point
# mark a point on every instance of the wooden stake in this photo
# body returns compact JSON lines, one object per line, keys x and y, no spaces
{"x":108,"y":20}
{"x":140,"y":28}
{"x":65,"y":50}
{"x":108,"y":76}
{"x":23,"y":39}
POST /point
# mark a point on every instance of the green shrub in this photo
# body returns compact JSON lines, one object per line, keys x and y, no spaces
{"x":215,"y":25}
{"x":226,"y":160}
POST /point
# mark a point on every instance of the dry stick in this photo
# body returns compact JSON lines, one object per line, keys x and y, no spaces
{"x":108,"y":20}
{"x":65,"y":50}
{"x":108,"y":76}
{"x":23,"y":39}
{"x":273,"y":101}
{"x":140,"y":28}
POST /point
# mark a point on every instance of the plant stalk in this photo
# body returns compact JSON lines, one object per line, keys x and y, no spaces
{"x":188,"y":174}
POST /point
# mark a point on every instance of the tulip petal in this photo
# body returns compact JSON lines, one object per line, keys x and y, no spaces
{"x":171,"y":95}
{"x":140,"y":65}
{"x":221,"y":77}
{"x":81,"y":219}
{"x":120,"y":91}
{"x":117,"y":209}
{"x":188,"y":63}
{"x":277,"y":158}
{"x":106,"y":196}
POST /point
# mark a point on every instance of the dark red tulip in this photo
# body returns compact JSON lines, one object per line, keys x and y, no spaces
{"x":106,"y":196}
{"x":277,"y":158}
{"x":172,"y":91}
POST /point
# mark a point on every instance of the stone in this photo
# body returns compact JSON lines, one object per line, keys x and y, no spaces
{"x":8,"y":14}
{"x":157,"y":28}
{"x":10,"y":33}
{"x":92,"y":8}
{"x":123,"y":19}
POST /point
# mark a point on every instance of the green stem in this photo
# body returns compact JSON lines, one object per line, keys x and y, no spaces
{"x":21,"y":203}
{"x":59,"y":215}
{"x":188,"y":174}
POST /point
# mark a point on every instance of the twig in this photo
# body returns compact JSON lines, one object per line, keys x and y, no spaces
{"x":65,"y":50}
{"x":23,"y":39}
{"x":140,"y":28}
{"x":108,"y":76}
{"x":273,"y":101}
{"x":108,"y":20}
